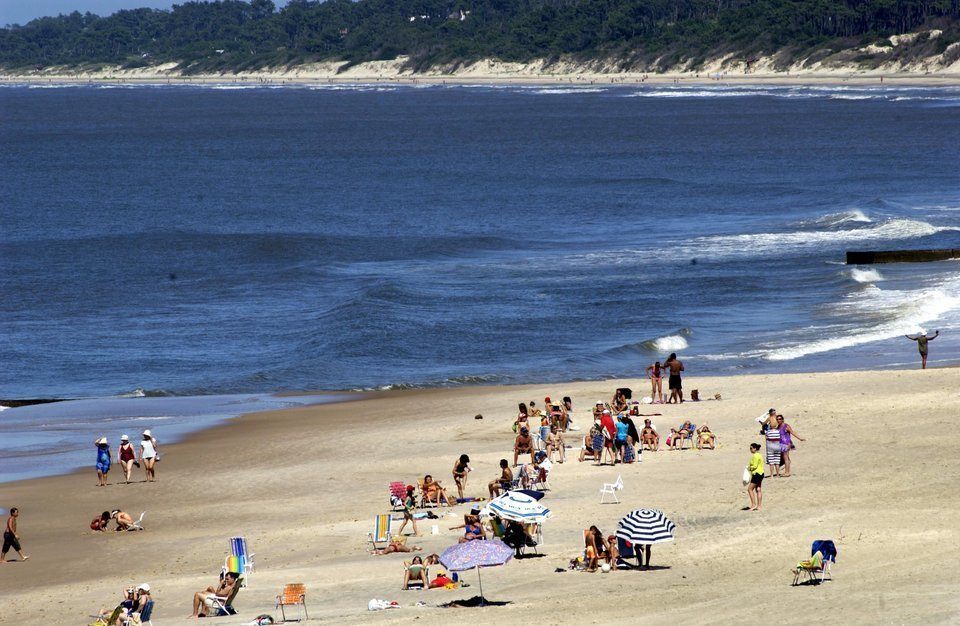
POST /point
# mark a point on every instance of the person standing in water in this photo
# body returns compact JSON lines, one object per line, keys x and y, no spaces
{"x":922,"y":340}
{"x":10,"y":537}
{"x":675,"y":366}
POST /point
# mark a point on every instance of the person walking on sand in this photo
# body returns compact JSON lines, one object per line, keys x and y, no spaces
{"x":127,"y":456}
{"x":104,"y":457}
{"x":756,"y":478}
{"x":149,"y":455}
{"x":655,"y":374}
{"x":409,"y":505}
{"x":460,"y":470}
{"x":922,"y":341}
{"x":10,"y":537}
{"x":674,"y":366}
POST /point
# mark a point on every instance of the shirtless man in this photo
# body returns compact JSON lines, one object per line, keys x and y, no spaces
{"x":10,"y":537}
{"x":922,"y":340}
{"x":203,"y":600}
{"x":675,"y":366}
{"x":499,"y":485}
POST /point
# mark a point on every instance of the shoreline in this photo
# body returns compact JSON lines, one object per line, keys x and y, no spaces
{"x":304,"y":484}
{"x":296,"y":78}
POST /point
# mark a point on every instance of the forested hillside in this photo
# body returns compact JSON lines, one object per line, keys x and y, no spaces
{"x":233,"y":35}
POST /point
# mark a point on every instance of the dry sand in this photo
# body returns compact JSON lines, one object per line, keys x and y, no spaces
{"x":878,"y":474}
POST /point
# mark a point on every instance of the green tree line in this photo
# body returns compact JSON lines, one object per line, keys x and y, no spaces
{"x":233,"y":35}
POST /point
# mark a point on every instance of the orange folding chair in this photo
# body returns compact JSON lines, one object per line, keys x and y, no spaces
{"x":294,"y":594}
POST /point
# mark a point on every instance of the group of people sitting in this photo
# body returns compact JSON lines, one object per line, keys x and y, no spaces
{"x":416,"y":574}
{"x":136,"y":606}
{"x":600,"y":551}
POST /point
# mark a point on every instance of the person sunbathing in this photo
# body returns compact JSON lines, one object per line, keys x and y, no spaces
{"x":522,"y":445}
{"x":126,"y":607}
{"x":679,"y":435}
{"x":706,"y":438}
{"x":503,"y":482}
{"x":397,"y":544}
{"x":433,"y":492}
{"x":414,"y":571}
{"x":205,"y":600}
{"x":472,"y":530}
{"x":649,"y":437}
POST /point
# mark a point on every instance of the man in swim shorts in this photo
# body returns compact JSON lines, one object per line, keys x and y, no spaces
{"x":922,"y":340}
{"x":203,"y":601}
{"x":675,"y":366}
{"x":10,"y":537}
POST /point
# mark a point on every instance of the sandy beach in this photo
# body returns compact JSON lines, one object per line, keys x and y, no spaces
{"x":876,"y":474}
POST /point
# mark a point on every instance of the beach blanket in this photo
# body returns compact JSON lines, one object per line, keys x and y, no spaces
{"x":773,"y":446}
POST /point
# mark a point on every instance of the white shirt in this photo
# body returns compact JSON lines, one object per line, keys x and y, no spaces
{"x":148,"y":451}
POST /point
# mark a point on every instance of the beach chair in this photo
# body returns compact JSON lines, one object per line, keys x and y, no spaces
{"x":828,"y":549}
{"x":540,"y":482}
{"x":689,"y":437}
{"x":812,"y":568}
{"x":145,"y":615}
{"x":398,"y":491}
{"x":611,"y":489}
{"x":138,"y":524}
{"x":625,"y":548}
{"x":223,"y":605}
{"x":240,"y":559}
{"x":293,"y":594}
{"x":109,"y":620}
{"x":422,"y":499}
{"x":381,"y":531}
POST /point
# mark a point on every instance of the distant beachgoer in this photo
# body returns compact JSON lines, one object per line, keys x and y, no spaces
{"x":127,"y":456}
{"x":567,"y":408}
{"x":772,"y":435}
{"x":409,"y":506}
{"x":203,"y":600}
{"x":522,"y":417}
{"x":649,"y":436}
{"x":503,"y":482}
{"x":706,"y":438}
{"x":149,"y":455}
{"x":99,"y":523}
{"x":522,"y":445}
{"x":681,"y":434}
{"x":555,"y":444}
{"x":655,"y":374}
{"x":787,"y":434}
{"x":104,"y":457}
{"x":619,"y":402}
{"x":433,"y":492}
{"x":766,"y":419}
{"x":922,"y":339}
{"x":472,"y":530}
{"x":10,"y":537}
{"x":756,"y":477}
{"x":597,"y":410}
{"x":675,"y":366}
{"x":414,"y":571}
{"x":460,"y":470}
{"x":124,"y":520}
{"x":620,"y":440}
{"x":596,"y":546}
{"x":609,"y":431}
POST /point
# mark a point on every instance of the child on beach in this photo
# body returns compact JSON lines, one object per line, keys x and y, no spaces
{"x":409,"y":505}
{"x":10,"y":537}
{"x":104,"y":457}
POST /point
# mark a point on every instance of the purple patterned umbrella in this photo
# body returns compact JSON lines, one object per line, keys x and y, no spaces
{"x":476,"y":554}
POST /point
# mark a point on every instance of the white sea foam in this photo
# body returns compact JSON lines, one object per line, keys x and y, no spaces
{"x":670,"y":343}
{"x":897,"y":312}
{"x":866,"y":276}
{"x":766,"y":242}
{"x":564,"y":90}
{"x":844,"y":217}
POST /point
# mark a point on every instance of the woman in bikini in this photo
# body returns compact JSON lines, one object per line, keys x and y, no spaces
{"x":655,"y":374}
{"x":433,"y":492}
{"x":649,"y":436}
{"x":522,"y":417}
{"x":705,"y":438}
{"x":460,"y":470}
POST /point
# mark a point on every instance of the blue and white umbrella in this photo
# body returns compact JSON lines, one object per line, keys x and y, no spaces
{"x":646,"y":526}
{"x":518,"y":507}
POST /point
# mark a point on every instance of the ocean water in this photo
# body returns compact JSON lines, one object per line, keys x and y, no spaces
{"x":239,"y":239}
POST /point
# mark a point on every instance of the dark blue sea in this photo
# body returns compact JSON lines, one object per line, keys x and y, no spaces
{"x":224,"y":239}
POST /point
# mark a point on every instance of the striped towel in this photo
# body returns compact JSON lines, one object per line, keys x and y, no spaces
{"x":773,"y":446}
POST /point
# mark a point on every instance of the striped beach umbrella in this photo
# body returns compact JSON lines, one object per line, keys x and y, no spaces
{"x":645,"y":527}
{"x":518,"y":507}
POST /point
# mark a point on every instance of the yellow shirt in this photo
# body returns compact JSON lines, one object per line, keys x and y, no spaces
{"x":756,"y":464}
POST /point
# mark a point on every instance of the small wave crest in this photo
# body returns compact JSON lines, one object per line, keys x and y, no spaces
{"x":855,"y":216}
{"x":865,"y":276}
{"x":668,"y":343}
{"x":139,"y":392}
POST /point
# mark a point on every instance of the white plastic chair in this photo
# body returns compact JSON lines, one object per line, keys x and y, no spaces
{"x":611,"y":489}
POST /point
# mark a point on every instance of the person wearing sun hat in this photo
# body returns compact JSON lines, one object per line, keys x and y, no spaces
{"x":149,"y":455}
{"x":104,"y":458}
{"x":127,"y":456}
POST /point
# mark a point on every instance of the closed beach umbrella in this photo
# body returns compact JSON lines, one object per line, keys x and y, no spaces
{"x":645,"y":527}
{"x":474,"y":555}
{"x":518,"y":507}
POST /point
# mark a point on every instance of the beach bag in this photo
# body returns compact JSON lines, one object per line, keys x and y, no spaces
{"x":695,"y":395}
{"x":746,"y":475}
